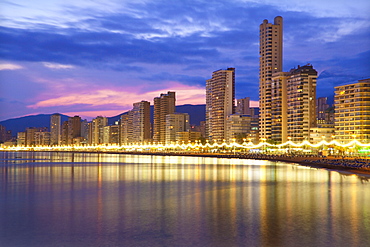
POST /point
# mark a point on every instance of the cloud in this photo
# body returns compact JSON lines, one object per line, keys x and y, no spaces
{"x":71,"y":52}
{"x":117,"y":99}
{"x":9,"y":66}
{"x":57,"y":66}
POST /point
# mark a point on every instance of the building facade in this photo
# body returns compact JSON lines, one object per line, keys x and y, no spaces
{"x":220,"y":97}
{"x":163,"y":105}
{"x":74,"y":130}
{"x":243,"y":106}
{"x":96,"y":130}
{"x":240,"y":127}
{"x":279,"y":107}
{"x":321,"y":106}
{"x":352,"y":112}
{"x":55,"y":129}
{"x":176,"y":122}
{"x":293,"y":104}
{"x":111,"y":134}
{"x":126,"y":128}
{"x":270,"y":62}
{"x":301,"y":100}
{"x":141,"y":121}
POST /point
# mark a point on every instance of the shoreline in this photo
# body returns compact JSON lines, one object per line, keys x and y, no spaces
{"x":351,"y":165}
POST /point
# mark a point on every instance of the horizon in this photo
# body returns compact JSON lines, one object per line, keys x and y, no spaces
{"x":91,"y":59}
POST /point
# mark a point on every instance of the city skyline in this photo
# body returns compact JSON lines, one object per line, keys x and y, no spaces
{"x":97,"y":59}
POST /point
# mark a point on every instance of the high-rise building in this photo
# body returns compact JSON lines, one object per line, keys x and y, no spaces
{"x":126,"y":128}
{"x":2,"y":134}
{"x":352,"y":112}
{"x":30,"y":136}
{"x":96,"y":131}
{"x":293,"y":105}
{"x":321,"y":106}
{"x":163,"y":105}
{"x":141,"y":121}
{"x":301,"y":100}
{"x":74,"y":129}
{"x":279,"y":107}
{"x":42,"y":138}
{"x":64,"y":135}
{"x":243,"y":106}
{"x":271,"y":61}
{"x":220,"y":97}
{"x":239,"y":127}
{"x":55,"y":129}
{"x":111,"y":134}
{"x":84,"y":130}
{"x":176,"y":122}
{"x":21,"y":138}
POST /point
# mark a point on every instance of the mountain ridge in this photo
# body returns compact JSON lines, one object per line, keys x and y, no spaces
{"x":196,"y":113}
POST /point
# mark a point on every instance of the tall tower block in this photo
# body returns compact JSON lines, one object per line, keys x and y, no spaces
{"x":271,"y":61}
{"x":220,"y":97}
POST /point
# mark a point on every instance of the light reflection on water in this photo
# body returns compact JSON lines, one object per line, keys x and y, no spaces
{"x":64,"y":199}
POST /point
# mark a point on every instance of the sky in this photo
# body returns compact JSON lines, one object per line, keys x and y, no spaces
{"x":91,"y":58}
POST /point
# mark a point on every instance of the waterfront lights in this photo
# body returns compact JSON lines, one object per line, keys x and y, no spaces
{"x":187,"y":146}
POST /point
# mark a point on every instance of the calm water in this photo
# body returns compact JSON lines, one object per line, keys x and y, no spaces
{"x":60,"y":199}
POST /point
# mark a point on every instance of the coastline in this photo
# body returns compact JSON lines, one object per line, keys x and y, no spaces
{"x":343,"y":164}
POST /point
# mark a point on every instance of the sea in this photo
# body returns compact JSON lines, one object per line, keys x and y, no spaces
{"x":102,"y":199}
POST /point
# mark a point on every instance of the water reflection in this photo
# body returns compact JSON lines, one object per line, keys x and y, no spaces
{"x":130,"y":200}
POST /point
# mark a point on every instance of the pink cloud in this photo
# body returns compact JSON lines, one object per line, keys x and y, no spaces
{"x":254,"y":103}
{"x":122,"y":97}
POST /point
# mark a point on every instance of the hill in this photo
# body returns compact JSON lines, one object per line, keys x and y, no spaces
{"x":20,"y":124}
{"x":196,"y":113}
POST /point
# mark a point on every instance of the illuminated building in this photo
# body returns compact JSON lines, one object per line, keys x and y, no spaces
{"x":279,"y":107}
{"x":96,"y":131}
{"x":74,"y":130}
{"x":176,"y":122}
{"x":163,"y":105}
{"x":321,"y":107}
{"x":135,"y":124}
{"x":55,"y":129}
{"x":126,"y":128}
{"x":187,"y":136}
{"x":30,"y":135}
{"x":42,"y":138}
{"x":301,"y":100}
{"x":243,"y":106}
{"x":111,"y":134}
{"x":352,"y":112}
{"x":2,"y":134}
{"x":293,"y":104}
{"x":220,"y":97}
{"x":271,"y":61}
{"x":84,"y":130}
{"x":21,"y":138}
{"x":141,"y":121}
{"x":239,"y":127}
{"x":322,"y":133}
{"x":64,"y":135}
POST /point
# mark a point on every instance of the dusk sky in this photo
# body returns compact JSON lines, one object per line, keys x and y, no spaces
{"x":91,"y":58}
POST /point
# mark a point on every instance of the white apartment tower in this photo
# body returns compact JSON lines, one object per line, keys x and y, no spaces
{"x":220,"y":97}
{"x":352,"y":112}
{"x":271,"y":61}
